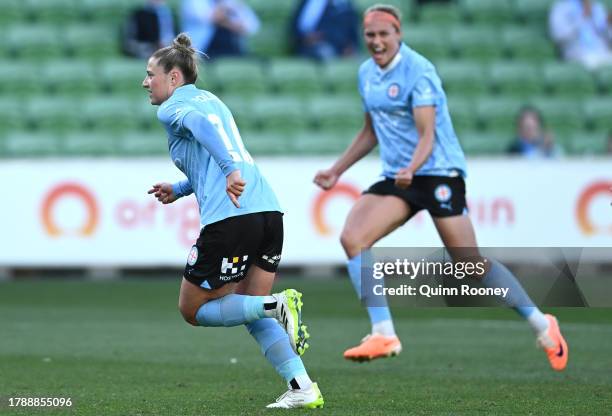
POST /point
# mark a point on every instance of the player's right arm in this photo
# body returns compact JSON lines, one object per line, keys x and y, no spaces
{"x":363,"y":144}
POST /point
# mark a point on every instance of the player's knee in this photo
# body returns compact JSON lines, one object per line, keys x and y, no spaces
{"x":188,"y":314}
{"x":351,"y":243}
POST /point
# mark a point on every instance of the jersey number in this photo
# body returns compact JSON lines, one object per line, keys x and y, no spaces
{"x":240,"y":155}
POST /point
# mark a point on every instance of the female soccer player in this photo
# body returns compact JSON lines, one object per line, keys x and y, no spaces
{"x":423,"y":167}
{"x":231,"y":268}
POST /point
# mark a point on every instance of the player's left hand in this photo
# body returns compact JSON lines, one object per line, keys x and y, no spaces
{"x":234,"y":187}
{"x":403,"y":179}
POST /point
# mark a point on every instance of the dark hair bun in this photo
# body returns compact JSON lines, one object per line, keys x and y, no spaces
{"x":182,"y":40}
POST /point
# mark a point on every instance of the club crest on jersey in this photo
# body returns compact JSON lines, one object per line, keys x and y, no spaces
{"x":192,"y":258}
{"x":443,"y":193}
{"x":393,"y":90}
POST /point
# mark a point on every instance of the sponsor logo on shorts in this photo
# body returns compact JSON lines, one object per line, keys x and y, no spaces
{"x":233,"y":265}
{"x":274,"y":260}
{"x":192,"y":258}
{"x":393,"y":90}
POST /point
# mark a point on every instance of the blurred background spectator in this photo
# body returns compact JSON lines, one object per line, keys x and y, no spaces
{"x":325,"y":29}
{"x":582,"y":31}
{"x":147,"y":29}
{"x":219,"y":27}
{"x":532,"y":140}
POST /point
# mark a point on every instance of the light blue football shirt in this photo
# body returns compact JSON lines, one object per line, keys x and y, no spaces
{"x":390,"y":95}
{"x":207,"y":151}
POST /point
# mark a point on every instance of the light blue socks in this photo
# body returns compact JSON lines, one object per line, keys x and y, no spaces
{"x":380,"y":316}
{"x":500,"y":277}
{"x":275,"y":346}
{"x":232,"y":310}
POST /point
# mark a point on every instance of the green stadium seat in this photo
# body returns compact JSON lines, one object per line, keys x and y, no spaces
{"x":269,"y":42}
{"x":429,"y":40}
{"x":268,"y":143}
{"x":516,"y":79}
{"x":598,"y":112}
{"x":72,"y":77}
{"x":583,"y":143}
{"x":87,"y":143}
{"x":444,"y":14}
{"x":340,"y":76}
{"x":140,"y":143}
{"x":12,"y":11}
{"x":569,"y":80}
{"x":37,"y":42}
{"x":343,"y":114}
{"x":465,"y":78}
{"x":62,"y":12}
{"x":92,"y":41}
{"x":20,"y":79}
{"x":273,"y":13}
{"x":295,"y":76}
{"x":123,"y":76}
{"x":53,"y":114}
{"x":284,"y":114}
{"x":21,"y":144}
{"x":604,"y":80}
{"x":563,"y":116}
{"x":240,"y":76}
{"x":109,"y":11}
{"x":111,"y":114}
{"x":463,"y":113}
{"x":12,"y":115}
{"x":534,"y":12}
{"x":478,"y":43}
{"x":490,"y":12}
{"x":311,"y":142}
{"x":529,"y":45}
{"x":498,"y":114}
{"x":485,"y":143}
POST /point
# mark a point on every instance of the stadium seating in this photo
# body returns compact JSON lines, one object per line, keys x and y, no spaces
{"x":64,"y":78}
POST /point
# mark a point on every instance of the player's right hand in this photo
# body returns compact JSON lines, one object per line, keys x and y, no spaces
{"x":163,"y":192}
{"x":326,"y":179}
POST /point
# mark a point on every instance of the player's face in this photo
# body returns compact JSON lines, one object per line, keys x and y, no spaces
{"x":383,"y":41}
{"x":157,"y":83}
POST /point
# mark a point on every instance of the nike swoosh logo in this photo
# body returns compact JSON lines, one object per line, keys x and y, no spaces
{"x":560,"y":352}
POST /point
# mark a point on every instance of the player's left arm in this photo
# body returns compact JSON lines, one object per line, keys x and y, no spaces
{"x":424,"y":100}
{"x":425,"y":121}
{"x":208,"y":136}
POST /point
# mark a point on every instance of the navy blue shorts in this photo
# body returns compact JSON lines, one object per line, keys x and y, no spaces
{"x":442,"y":196}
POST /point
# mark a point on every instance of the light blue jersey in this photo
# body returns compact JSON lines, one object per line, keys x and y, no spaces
{"x":206,"y":146}
{"x":390,"y":95}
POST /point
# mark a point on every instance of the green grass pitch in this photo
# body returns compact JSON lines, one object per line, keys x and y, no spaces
{"x":121,"y":348}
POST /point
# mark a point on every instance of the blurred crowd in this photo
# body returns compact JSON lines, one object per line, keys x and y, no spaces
{"x":324,"y":30}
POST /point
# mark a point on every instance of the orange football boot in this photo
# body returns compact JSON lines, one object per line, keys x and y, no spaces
{"x":554,"y":344}
{"x":374,"y":346}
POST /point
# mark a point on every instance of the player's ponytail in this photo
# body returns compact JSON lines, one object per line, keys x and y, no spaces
{"x":181,"y":55}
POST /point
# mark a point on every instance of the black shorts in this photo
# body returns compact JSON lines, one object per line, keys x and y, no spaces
{"x":442,"y":196}
{"x":226,"y":249}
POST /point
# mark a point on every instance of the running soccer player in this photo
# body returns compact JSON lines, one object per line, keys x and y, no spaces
{"x":406,"y":114}
{"x":231,"y":268}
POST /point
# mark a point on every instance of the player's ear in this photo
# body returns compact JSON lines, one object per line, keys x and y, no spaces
{"x":175,"y":77}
